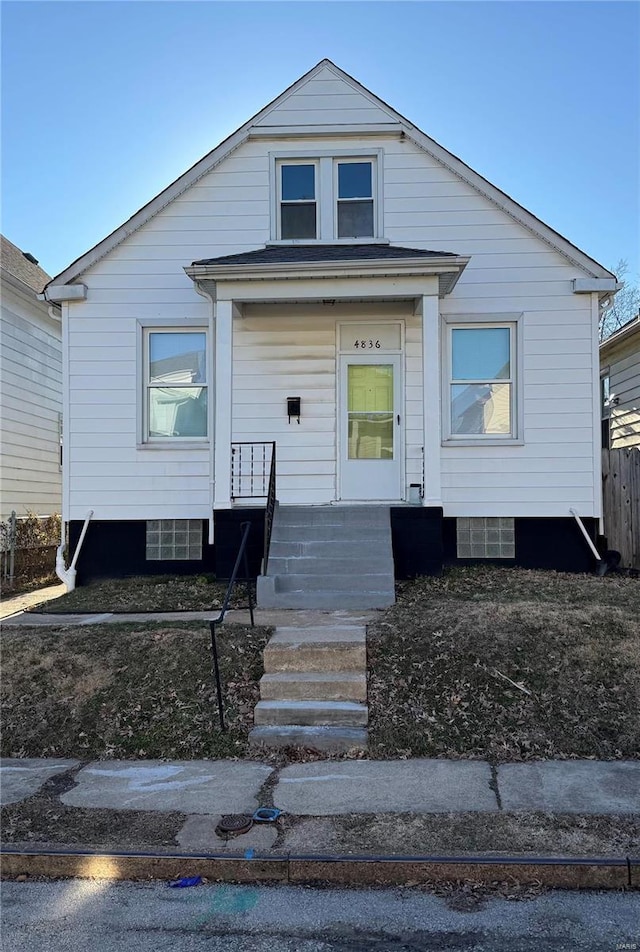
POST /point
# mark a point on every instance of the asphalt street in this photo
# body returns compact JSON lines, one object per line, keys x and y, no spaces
{"x":73,"y":916}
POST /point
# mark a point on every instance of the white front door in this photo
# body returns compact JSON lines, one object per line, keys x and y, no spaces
{"x":370,"y":427}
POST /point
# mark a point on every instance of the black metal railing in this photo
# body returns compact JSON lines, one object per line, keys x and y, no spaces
{"x":269,"y":511}
{"x":241,"y":558}
{"x":251,"y":465}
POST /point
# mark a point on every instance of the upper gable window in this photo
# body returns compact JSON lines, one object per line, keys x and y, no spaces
{"x":298,"y":207}
{"x":355,"y":217}
{"x":327,"y":197}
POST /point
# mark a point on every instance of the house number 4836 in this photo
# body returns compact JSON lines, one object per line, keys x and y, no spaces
{"x":367,"y":344}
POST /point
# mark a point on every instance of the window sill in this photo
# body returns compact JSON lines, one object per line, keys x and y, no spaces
{"x":326,"y":241}
{"x":178,"y":445}
{"x":488,"y":442}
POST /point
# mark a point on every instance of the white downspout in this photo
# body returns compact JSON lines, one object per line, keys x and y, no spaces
{"x":68,"y":576}
{"x":586,"y":535}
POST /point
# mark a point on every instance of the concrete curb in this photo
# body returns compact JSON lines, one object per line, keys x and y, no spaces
{"x":557,"y":872}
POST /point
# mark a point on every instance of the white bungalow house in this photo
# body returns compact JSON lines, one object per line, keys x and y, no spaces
{"x":331,"y":282}
{"x":31,"y":389}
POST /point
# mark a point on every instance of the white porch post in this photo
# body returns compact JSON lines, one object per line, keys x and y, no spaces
{"x":222,"y":359}
{"x":431,"y":399}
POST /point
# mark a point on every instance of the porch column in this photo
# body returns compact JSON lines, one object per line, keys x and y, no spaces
{"x":222,"y":360}
{"x":431,"y":400}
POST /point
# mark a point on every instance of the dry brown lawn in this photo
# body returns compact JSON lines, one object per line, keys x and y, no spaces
{"x":148,"y":593}
{"x":121,"y":691}
{"x":569,"y":645}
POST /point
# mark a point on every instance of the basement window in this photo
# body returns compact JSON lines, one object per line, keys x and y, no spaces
{"x":173,"y":540}
{"x":485,"y":538}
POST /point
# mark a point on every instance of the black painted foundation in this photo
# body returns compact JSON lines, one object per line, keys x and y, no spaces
{"x":423,"y":544}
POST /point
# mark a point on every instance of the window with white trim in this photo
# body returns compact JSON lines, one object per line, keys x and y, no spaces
{"x":175,"y":384}
{"x":298,"y":205}
{"x":480,"y":396}
{"x":327,"y":197}
{"x":354,"y":199}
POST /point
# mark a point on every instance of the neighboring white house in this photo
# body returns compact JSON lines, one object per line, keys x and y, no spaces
{"x":31,"y":389}
{"x":331,"y":279}
{"x":620,"y":376}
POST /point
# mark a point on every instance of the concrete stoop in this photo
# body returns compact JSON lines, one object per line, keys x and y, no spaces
{"x":329,"y":557}
{"x":314,"y":689}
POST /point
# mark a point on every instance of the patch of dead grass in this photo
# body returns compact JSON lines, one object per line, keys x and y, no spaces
{"x":149,"y":593}
{"x":118,"y":691}
{"x":572,"y":642}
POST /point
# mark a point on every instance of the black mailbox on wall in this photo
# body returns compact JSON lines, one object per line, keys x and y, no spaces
{"x":293,"y":407}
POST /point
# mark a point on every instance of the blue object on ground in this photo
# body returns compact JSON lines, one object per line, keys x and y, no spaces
{"x":266,"y":815}
{"x":187,"y":881}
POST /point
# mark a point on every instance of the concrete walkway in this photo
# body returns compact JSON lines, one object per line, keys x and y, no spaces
{"x":336,"y":787}
{"x":19,"y":603}
{"x":572,"y":823}
{"x":271,"y":617}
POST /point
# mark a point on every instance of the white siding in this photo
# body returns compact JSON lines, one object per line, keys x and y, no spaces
{"x":624,"y":383}
{"x":427,"y":207}
{"x":325,"y":100}
{"x":31,"y":397}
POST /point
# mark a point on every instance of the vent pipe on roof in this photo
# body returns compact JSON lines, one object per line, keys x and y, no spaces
{"x":30,"y":257}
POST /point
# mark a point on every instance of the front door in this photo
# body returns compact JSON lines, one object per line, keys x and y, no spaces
{"x":370,"y":427}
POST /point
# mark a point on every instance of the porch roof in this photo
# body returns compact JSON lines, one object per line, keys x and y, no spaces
{"x":304,"y":265}
{"x":304,"y":254}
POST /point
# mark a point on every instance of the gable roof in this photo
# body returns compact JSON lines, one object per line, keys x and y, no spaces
{"x":260,"y":124}
{"x":15,"y":262}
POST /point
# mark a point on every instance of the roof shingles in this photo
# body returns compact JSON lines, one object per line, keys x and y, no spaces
{"x":305,"y":254}
{"x":15,"y":263}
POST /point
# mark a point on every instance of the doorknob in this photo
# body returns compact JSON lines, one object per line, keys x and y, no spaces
{"x":398,"y":419}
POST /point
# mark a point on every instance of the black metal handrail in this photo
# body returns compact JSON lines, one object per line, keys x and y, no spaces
{"x":245,"y":528}
{"x":250,"y":469}
{"x":269,"y":511}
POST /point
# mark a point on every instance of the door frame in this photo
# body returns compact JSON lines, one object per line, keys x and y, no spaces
{"x":380,"y":356}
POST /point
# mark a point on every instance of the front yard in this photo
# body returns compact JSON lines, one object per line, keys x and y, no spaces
{"x":118,"y":691}
{"x":439,"y":660}
{"x":484,"y":662}
{"x":149,"y":593}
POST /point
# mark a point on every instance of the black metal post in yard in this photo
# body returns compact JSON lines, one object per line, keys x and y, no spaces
{"x":248,"y":581}
{"x":245,"y":528}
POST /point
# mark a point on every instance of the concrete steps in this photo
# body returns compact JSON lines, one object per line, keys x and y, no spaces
{"x":307,"y":686}
{"x":310,"y":713}
{"x":329,"y":557}
{"x":314,"y":689}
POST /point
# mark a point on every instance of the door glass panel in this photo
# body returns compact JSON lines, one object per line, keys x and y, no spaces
{"x":370,"y":411}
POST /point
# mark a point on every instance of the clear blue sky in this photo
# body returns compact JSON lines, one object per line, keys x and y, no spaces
{"x":104,"y":104}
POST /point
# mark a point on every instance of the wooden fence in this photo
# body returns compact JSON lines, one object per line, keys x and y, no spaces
{"x":621,"y":498}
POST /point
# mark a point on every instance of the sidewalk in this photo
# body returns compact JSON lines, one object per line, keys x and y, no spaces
{"x":18,"y":603}
{"x":411,"y":812}
{"x":238,"y":616}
